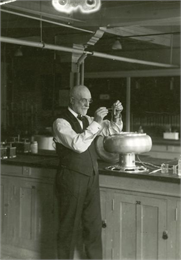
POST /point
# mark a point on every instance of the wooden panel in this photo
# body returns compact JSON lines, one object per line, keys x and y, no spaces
{"x":153,"y":224}
{"x":26,"y":207}
{"x":128,"y":230}
{"x":134,"y":184}
{"x":178,"y":229}
{"x":44,"y":230}
{"x":13,"y":210}
{"x":149,"y":232}
{"x":139,"y":223}
{"x":11,"y":169}
{"x":107,"y":217}
{"x":4,"y":208}
{"x":31,"y":222}
{"x":124,"y":227}
{"x":45,"y":174}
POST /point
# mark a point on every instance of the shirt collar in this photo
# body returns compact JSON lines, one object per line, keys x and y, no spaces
{"x":73,"y":112}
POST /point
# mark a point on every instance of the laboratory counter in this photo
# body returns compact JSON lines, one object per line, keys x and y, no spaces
{"x":51,"y":161}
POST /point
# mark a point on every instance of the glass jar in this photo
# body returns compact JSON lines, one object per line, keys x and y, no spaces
{"x":34,"y":147}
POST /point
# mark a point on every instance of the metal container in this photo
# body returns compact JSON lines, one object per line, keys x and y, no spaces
{"x":3,"y":151}
{"x":7,"y":151}
{"x":128,"y":142}
{"x":22,"y":147}
{"x":45,"y":142}
{"x":11,"y":152}
{"x":121,"y":148}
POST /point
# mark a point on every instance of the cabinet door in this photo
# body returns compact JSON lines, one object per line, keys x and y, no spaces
{"x":4,"y":209}
{"x":153,"y":235}
{"x":125,"y":229}
{"x":178,"y":231}
{"x":107,"y":224}
{"x":139,"y":227}
{"x":31,"y":216}
{"x":174,"y":229}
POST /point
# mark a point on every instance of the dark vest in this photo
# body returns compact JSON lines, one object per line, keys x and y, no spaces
{"x":86,"y":162}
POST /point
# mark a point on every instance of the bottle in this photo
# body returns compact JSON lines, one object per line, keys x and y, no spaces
{"x":140,"y":130}
{"x":179,"y":166}
{"x":34,"y":147}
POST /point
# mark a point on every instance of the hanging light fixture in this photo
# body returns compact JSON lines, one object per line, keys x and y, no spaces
{"x":19,"y":52}
{"x":117,"y":45}
{"x":85,"y":6}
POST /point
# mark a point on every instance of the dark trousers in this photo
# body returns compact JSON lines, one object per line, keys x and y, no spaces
{"x":79,"y":211}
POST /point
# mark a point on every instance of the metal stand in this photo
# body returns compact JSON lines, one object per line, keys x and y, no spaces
{"x":127,"y":164}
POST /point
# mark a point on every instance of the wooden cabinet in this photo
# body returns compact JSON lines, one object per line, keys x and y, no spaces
{"x":139,"y":225}
{"x":31,"y":215}
{"x":4,"y":207}
{"x":174,"y":228}
{"x":140,"y":218}
{"x":178,"y":230}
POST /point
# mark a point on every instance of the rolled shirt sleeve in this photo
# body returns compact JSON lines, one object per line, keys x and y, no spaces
{"x":79,"y":142}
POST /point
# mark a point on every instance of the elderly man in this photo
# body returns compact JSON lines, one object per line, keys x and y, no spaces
{"x":77,"y":180}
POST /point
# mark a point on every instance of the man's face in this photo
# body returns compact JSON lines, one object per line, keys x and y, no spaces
{"x":81,"y":101}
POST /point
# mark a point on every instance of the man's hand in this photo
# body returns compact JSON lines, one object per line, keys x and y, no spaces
{"x":116,"y":112}
{"x":118,"y":106}
{"x":100,"y":114}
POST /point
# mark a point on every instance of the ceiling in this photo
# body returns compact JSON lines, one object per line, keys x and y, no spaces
{"x":148,"y":31}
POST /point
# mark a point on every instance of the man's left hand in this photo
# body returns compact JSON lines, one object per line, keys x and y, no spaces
{"x":118,"y":106}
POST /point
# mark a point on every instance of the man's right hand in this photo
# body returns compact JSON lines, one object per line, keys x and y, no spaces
{"x":100,"y":114}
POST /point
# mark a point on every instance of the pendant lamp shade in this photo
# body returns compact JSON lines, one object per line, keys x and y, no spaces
{"x":117,"y":45}
{"x":18,"y":52}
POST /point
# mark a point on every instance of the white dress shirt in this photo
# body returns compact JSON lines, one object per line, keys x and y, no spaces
{"x":79,"y":142}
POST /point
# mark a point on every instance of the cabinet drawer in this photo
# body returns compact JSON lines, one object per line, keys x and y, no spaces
{"x":28,"y":172}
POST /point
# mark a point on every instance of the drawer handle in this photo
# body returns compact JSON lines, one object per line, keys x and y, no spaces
{"x":165,"y":235}
{"x":104,"y":225}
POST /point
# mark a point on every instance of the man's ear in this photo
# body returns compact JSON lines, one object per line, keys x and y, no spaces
{"x":71,"y":100}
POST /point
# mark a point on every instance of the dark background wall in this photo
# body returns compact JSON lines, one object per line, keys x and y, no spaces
{"x":155,"y":101}
{"x":34,"y":88}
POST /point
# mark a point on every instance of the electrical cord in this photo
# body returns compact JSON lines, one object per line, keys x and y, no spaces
{"x":158,"y":167}
{"x":146,"y":163}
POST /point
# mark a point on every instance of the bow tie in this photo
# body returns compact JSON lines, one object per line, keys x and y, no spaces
{"x":80,"y":117}
{"x":84,"y":121}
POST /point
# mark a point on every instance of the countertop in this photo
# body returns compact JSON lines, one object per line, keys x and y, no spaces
{"x":51,"y":162}
{"x":161,"y":141}
{"x":33,"y":160}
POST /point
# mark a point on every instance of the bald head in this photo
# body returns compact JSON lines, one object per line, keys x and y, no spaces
{"x":80,"y":97}
{"x":79,"y":91}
